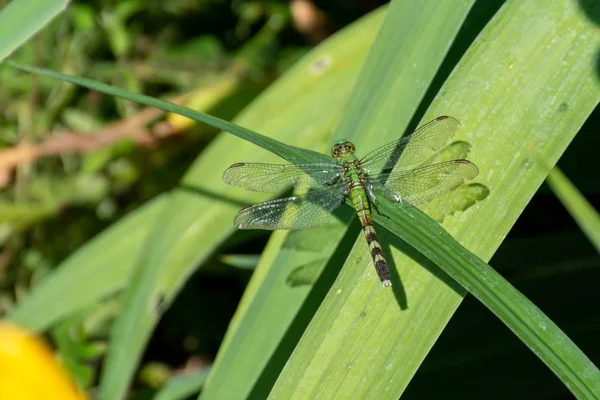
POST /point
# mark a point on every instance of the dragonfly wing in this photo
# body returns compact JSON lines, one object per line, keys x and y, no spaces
{"x":309,"y":210}
{"x":272,"y":178}
{"x":412,"y":149}
{"x":420,"y":185}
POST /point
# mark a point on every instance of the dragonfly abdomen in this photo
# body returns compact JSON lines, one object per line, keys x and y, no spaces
{"x":363,"y":210}
{"x":381,"y":265}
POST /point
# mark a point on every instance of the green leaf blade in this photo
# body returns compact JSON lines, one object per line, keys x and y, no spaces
{"x":89,"y":274}
{"x":194,"y":224}
{"x":21,"y":19}
{"x":534,"y":328}
{"x":509,"y":92}
{"x":291,"y":153}
{"x":240,"y":367}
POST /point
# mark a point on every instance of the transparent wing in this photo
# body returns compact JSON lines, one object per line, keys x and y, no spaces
{"x":418,"y":186}
{"x":412,"y":149}
{"x":297,"y":212}
{"x":272,"y":178}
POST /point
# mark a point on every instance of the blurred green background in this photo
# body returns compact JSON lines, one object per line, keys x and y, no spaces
{"x":74,"y":162}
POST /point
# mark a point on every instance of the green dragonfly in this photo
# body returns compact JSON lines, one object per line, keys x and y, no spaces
{"x":393,"y":171}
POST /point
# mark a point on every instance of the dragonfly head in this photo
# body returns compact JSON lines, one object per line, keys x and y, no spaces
{"x":342,"y":147}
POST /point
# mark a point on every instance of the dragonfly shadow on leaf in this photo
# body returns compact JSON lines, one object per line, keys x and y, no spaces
{"x":390,"y":239}
{"x":322,"y":255}
{"x":298,"y":278}
{"x":305,"y":274}
{"x":453,"y":151}
{"x":457,"y":200}
{"x":314,"y":238}
{"x":387,"y":242}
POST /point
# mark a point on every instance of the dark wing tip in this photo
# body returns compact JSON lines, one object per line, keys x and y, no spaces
{"x":443,"y":117}
{"x":225,"y":176}
{"x":240,"y":220}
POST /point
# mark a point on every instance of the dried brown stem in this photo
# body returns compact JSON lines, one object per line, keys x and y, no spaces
{"x":133,"y":128}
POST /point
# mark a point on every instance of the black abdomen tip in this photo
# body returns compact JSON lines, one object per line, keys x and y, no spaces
{"x":383,"y":272}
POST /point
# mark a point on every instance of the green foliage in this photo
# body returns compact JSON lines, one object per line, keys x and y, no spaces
{"x":301,"y":329}
{"x":88,"y":171}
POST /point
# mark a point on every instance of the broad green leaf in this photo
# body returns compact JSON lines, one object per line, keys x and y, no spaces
{"x":196,"y":196}
{"x":194,"y":224}
{"x":522,"y":91}
{"x":326,"y":74}
{"x":289,"y":271}
{"x":21,"y":19}
{"x":497,"y":372}
{"x":486,"y":88}
{"x":582,"y":211}
{"x":97,"y":270}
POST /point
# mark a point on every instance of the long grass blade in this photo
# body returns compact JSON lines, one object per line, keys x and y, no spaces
{"x":527,"y":321}
{"x":519,"y":107}
{"x":282,"y":150}
{"x":294,"y":268}
{"x":174,"y":252}
{"x":570,"y":365}
{"x":582,"y":211}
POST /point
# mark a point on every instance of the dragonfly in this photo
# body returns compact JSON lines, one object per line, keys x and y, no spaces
{"x":396,"y":171}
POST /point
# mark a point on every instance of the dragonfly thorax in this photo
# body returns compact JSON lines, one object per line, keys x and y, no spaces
{"x":341,"y":148}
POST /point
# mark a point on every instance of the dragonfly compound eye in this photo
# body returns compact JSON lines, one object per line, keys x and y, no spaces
{"x":342,"y":147}
{"x":336,"y":150}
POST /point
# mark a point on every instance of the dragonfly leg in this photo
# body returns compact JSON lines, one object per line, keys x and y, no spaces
{"x":373,"y":200}
{"x":334,"y":181}
{"x":379,"y":212}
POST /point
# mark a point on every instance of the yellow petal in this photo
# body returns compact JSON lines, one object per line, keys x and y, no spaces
{"x":29,"y":370}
